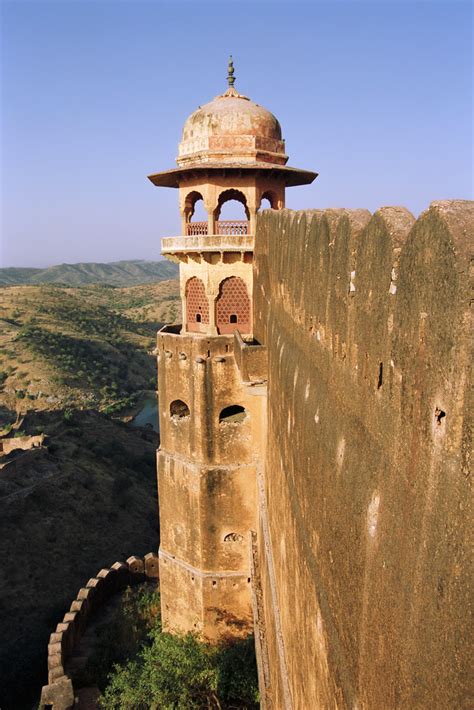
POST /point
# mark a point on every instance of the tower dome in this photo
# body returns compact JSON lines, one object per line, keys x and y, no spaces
{"x":231,"y":135}
{"x":231,"y":129}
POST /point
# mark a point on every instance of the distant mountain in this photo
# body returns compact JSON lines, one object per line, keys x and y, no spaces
{"x":117,"y":273}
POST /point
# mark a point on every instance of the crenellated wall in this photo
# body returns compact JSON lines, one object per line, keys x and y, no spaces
{"x":361,"y":557}
{"x":60,"y":694}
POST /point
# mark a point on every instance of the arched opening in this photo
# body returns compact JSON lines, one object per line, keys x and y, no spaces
{"x":235,"y":414}
{"x":197,"y":306}
{"x":231,"y":214}
{"x":195,"y":214}
{"x":233,"y":307}
{"x":269,"y":200}
{"x":179,"y":409}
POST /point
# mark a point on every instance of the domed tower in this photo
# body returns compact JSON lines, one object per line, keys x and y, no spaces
{"x":212,"y":411}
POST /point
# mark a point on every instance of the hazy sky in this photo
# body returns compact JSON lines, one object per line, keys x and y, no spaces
{"x":375,"y":96}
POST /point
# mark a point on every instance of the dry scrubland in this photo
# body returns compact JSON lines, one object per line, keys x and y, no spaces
{"x":87,"y":347}
{"x":69,"y":358}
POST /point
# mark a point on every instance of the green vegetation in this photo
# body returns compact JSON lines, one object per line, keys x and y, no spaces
{"x":122,"y":637}
{"x":139,"y":667}
{"x":85,"y":363}
{"x":81,"y":347}
{"x":182,"y":672}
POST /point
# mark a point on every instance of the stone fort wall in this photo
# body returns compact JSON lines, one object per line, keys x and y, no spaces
{"x":363,"y":507}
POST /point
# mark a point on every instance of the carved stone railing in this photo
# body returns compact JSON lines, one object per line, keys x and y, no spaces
{"x":196,"y":228}
{"x":211,"y":242}
{"x":237,"y":227}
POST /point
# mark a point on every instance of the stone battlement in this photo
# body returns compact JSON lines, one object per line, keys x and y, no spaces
{"x":59,"y":693}
{"x":362,"y":535}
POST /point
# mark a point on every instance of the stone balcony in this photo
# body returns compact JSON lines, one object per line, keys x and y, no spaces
{"x":231,"y":235}
{"x":208,"y":243}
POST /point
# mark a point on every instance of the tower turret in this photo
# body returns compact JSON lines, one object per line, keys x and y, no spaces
{"x":210,"y":419}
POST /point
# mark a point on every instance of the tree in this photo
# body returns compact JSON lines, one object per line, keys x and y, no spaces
{"x":180,"y":672}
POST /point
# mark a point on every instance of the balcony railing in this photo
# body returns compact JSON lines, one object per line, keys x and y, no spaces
{"x":208,"y":242}
{"x":195,"y":229}
{"x":234,"y":227}
{"x":237,"y":227}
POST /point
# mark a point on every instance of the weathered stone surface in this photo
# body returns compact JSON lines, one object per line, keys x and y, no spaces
{"x":7,"y":445}
{"x":152,"y":566}
{"x":59,"y":695}
{"x":364,"y":506}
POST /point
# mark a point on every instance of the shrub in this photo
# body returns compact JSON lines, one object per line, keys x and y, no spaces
{"x":122,"y":638}
{"x":182,"y":672}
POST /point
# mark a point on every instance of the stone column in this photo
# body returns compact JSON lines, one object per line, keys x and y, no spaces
{"x":210,"y":222}
{"x":212,"y":328}
{"x":183,"y":223}
{"x":183,"y":308}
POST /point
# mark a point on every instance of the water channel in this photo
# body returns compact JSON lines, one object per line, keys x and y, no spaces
{"x":148,"y":414}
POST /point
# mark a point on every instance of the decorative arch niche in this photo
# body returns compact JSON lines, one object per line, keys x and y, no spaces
{"x":233,"y":308}
{"x":197,"y":306}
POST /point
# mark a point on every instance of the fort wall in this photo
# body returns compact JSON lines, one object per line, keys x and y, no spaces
{"x":364,"y":500}
{"x":60,"y":694}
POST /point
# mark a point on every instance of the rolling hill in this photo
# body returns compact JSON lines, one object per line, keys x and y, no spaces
{"x":118,"y":273}
{"x":80,"y":347}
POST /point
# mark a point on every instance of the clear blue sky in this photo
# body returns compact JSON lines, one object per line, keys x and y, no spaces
{"x":375,"y":96}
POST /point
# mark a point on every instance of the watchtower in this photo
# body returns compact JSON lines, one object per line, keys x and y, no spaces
{"x":212,"y":417}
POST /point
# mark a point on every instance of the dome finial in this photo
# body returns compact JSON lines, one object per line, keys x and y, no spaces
{"x":230,"y":72}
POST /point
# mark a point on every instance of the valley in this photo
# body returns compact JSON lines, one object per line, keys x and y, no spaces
{"x":76,"y":365}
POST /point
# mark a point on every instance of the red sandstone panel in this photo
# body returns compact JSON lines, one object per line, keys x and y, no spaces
{"x":197,"y":305}
{"x":233,"y":307}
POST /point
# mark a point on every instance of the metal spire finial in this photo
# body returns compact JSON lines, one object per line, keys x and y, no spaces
{"x":230,"y":72}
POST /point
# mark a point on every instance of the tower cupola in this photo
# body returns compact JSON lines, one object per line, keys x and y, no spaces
{"x":234,"y":132}
{"x":231,"y":149}
{"x":231,"y":129}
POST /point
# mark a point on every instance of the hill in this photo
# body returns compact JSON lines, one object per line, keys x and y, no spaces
{"x":86,"y":496}
{"x":83,"y":500}
{"x":80,"y":347}
{"x":118,"y":273}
